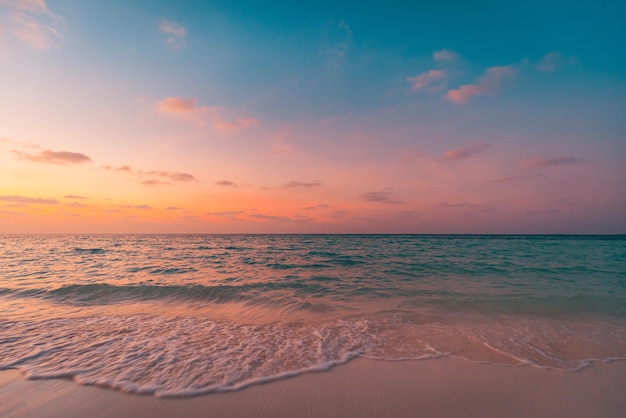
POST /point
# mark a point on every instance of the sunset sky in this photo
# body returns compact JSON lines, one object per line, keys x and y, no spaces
{"x":321,"y":116}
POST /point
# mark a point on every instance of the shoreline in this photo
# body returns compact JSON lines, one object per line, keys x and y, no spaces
{"x":443,"y":387}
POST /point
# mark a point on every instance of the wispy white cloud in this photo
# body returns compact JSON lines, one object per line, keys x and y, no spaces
{"x":552,"y":61}
{"x":176,"y":34}
{"x":445,"y":56}
{"x":434,"y":80}
{"x":425,"y":80}
{"x":30,"y":22}
{"x":336,"y":42}
{"x":488,"y":83}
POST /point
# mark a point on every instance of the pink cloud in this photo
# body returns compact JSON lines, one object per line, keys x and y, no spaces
{"x":463,"y":93}
{"x":170,"y":175}
{"x":273,"y":218}
{"x":188,"y":109}
{"x":227,"y":183}
{"x":54,"y":157}
{"x":233,"y":127}
{"x":465,"y":151}
{"x":182,"y":106}
{"x":302,"y":185}
{"x":488,"y":83}
{"x":121,"y":168}
{"x":154,"y":182}
{"x":425,"y":80}
{"x":552,"y":161}
{"x":31,"y":22}
{"x":381,"y":197}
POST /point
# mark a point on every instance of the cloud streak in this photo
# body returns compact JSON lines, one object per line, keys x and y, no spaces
{"x":135,"y":206}
{"x":460,"y":205}
{"x":226,"y":183}
{"x":465,"y":151}
{"x":271,"y":218}
{"x":302,"y":185}
{"x":227,"y":213}
{"x":381,"y":197}
{"x":29,"y":200}
{"x":488,"y":83}
{"x":154,"y":182}
{"x":536,"y":162}
{"x":162,"y":177}
{"x":54,"y":157}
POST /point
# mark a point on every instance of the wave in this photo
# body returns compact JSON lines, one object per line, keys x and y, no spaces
{"x":104,"y":293}
{"x":89,"y":250}
{"x":525,"y":304}
{"x":329,"y":294}
{"x":186,"y":356}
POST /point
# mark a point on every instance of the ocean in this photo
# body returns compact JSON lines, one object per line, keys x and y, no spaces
{"x":183,"y":315}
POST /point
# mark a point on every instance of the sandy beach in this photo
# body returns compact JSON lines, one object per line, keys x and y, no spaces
{"x":362,"y":388}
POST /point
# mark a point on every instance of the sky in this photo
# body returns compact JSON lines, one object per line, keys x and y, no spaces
{"x":312,"y":117}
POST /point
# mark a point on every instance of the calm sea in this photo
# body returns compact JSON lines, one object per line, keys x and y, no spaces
{"x":180,"y":315}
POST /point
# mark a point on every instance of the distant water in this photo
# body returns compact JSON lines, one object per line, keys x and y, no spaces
{"x":179,"y":315}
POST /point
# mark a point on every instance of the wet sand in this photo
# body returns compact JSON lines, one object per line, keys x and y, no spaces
{"x":362,"y":388}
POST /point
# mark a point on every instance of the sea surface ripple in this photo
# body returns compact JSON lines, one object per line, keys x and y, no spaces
{"x":180,"y":315}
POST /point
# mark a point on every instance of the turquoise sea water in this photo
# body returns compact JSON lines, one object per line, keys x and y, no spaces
{"x":179,"y":315}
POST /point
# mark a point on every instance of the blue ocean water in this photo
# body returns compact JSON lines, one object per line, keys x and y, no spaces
{"x":179,"y":315}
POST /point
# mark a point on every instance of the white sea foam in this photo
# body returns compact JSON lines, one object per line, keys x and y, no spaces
{"x":185,"y":356}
